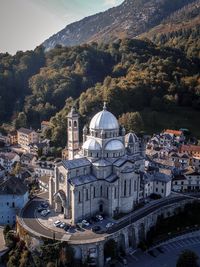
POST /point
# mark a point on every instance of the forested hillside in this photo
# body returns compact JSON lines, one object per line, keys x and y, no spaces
{"x":15,"y":72}
{"x":131,"y":75}
{"x":162,"y":84}
{"x":180,"y":30}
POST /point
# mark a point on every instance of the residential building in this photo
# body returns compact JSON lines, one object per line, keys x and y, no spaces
{"x":25,"y":137}
{"x":12,"y":138}
{"x":191,"y":150}
{"x":44,"y":168}
{"x":41,"y":148}
{"x":13,"y":197}
{"x":2,"y":172}
{"x":28,"y":159}
{"x":195,"y":162}
{"x":8,"y":159}
{"x":177,"y":135}
{"x":187,"y":181}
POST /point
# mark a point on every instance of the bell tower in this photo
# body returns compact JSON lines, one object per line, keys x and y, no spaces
{"x":73,"y":133}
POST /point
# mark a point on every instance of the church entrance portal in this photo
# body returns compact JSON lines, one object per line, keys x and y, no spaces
{"x":60,"y":201}
{"x":59,"y":207}
{"x":101,"y":208}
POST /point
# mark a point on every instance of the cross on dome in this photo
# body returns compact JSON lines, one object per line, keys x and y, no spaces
{"x":104,"y":105}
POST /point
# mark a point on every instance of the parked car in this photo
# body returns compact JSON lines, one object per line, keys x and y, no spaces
{"x":110,"y":224}
{"x":94,"y":219}
{"x":72,"y":229}
{"x":99,"y":217}
{"x":45,"y":212}
{"x":62,"y":225}
{"x":45,"y":204}
{"x":39,"y":209}
{"x":79,"y":226}
{"x":96,"y":228}
{"x":66,"y":227}
{"x":85,"y":223}
{"x":57,"y":223}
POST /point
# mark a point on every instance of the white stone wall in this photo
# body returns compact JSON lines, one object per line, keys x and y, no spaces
{"x":41,"y":171}
{"x":190,"y":183}
{"x":196,"y":162}
{"x":8,"y":163}
{"x":148,"y":189}
{"x":10,"y":205}
{"x":162,"y":188}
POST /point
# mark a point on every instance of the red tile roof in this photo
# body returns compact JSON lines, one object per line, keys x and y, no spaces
{"x":190,"y":148}
{"x":47,"y":123}
{"x":174,"y":132}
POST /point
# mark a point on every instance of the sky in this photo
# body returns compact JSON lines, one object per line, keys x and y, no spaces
{"x":24,"y":24}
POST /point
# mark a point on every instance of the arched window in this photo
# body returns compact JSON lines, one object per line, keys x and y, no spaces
{"x":115,"y":192}
{"x":130,"y":188}
{"x":135,"y":186}
{"x":101,"y":191}
{"x":107,"y":191}
{"x":79,"y":196}
{"x":94,"y":192}
{"x":87,"y":194}
{"x":70,"y":124}
{"x":125,"y":188}
{"x":75,"y":124}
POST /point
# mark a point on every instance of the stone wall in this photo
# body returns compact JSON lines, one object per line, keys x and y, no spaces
{"x":128,"y":237}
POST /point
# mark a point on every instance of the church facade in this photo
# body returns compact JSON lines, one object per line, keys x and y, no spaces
{"x":103,"y":177}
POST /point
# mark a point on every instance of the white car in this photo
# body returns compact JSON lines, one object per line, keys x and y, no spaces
{"x":99,"y":217}
{"x":62,"y":225}
{"x":86,"y":223}
{"x":57,"y":223}
{"x":110,"y":224}
{"x":45,"y":212}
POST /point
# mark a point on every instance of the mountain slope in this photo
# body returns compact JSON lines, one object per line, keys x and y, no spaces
{"x":131,"y":18}
{"x":186,"y":18}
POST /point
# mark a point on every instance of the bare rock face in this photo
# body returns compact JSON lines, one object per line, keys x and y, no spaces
{"x":130,"y":19}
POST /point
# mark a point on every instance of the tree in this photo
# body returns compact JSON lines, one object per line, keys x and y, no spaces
{"x":6,"y":229}
{"x":132,"y":121}
{"x":110,"y":249}
{"x":187,"y":259}
{"x":67,"y":255}
{"x":156,"y":104}
{"x":17,"y":169}
{"x":21,"y":120}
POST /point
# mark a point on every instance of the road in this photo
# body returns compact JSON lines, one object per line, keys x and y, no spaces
{"x":169,"y":255}
{"x":137,"y":215}
{"x":29,"y":219}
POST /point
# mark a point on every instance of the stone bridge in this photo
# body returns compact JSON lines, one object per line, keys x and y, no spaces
{"x":128,"y":233}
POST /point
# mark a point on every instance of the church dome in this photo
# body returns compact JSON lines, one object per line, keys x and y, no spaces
{"x":114,"y":145}
{"x":104,"y":120}
{"x":92,"y":145}
{"x":131,"y":138}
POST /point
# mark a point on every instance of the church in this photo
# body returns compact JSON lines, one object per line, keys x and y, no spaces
{"x":101,"y":177}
